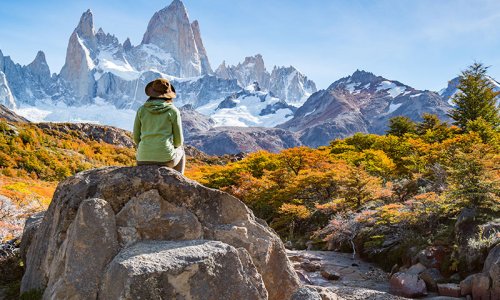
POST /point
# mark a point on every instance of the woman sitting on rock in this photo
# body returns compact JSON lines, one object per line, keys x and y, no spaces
{"x":158,"y":128}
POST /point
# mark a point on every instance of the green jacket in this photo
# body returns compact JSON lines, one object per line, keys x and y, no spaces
{"x":157,"y":131}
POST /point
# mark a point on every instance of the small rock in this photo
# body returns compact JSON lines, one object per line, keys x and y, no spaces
{"x":303,"y":277}
{"x":449,"y":289}
{"x":432,"y":277}
{"x":330,"y":275}
{"x":355,"y":265}
{"x":407,"y":285}
{"x":296,"y":258}
{"x":312,"y":292}
{"x":416,"y":269}
{"x":310,"y":266}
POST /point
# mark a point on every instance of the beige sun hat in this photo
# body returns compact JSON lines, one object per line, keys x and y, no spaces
{"x":160,"y":88}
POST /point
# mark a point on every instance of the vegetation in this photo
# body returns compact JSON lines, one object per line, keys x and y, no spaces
{"x":476,"y":98}
{"x":376,"y":194}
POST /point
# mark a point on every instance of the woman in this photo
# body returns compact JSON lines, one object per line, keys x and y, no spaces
{"x":158,"y":128}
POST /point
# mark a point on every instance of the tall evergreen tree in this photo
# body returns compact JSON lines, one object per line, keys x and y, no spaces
{"x":475,"y":98}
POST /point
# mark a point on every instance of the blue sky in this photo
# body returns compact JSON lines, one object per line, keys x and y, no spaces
{"x":422,"y":43}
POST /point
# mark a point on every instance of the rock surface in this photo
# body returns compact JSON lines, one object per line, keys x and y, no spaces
{"x":100,"y":213}
{"x":193,"y":269}
{"x":407,"y":285}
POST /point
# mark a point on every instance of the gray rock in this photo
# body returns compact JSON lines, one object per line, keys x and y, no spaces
{"x":90,"y":244}
{"x":330,"y":274}
{"x":432,"y":277}
{"x":30,"y":227}
{"x":416,"y":269}
{"x":310,"y":292}
{"x":138,"y":195}
{"x":407,"y":285}
{"x":193,"y":269}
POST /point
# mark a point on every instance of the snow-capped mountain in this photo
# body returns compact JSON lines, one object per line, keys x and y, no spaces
{"x":249,"y":107}
{"x":286,"y":83}
{"x":28,"y":83}
{"x":450,"y":91}
{"x":102,"y":74}
{"x":361,"y":102}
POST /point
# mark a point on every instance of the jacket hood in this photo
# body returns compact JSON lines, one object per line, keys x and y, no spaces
{"x":158,"y":106}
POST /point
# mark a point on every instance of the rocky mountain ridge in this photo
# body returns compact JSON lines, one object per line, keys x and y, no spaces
{"x":286,"y":83}
{"x":362,"y":102}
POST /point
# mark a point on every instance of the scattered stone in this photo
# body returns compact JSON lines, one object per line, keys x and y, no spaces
{"x":432,"y":277}
{"x":303,"y":277}
{"x":310,"y":266}
{"x":416,"y":269}
{"x":449,"y":289}
{"x":313,"y":293}
{"x":330,"y":275}
{"x":407,"y":285}
{"x":432,"y":256}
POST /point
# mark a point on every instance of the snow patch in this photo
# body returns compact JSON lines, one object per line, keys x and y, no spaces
{"x":90,"y":62}
{"x":393,"y":107}
{"x":391,"y":88}
{"x":120,"y":68}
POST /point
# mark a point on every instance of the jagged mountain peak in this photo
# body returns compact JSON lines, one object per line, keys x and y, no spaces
{"x":366,"y":82}
{"x":85,"y":28}
{"x":127,"y":45}
{"x":40,"y":64}
{"x":172,"y":33}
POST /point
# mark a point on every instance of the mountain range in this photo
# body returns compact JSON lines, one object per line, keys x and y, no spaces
{"x":103,"y":81}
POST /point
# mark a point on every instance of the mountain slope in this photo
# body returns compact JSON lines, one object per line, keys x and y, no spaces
{"x":361,"y":102}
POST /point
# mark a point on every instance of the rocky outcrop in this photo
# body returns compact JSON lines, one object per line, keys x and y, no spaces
{"x":484,"y":285}
{"x":150,"y":230}
{"x":88,"y":131}
{"x":11,"y":116}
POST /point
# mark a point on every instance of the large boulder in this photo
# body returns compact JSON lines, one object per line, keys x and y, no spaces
{"x":98,"y":218}
{"x":197,"y":269}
